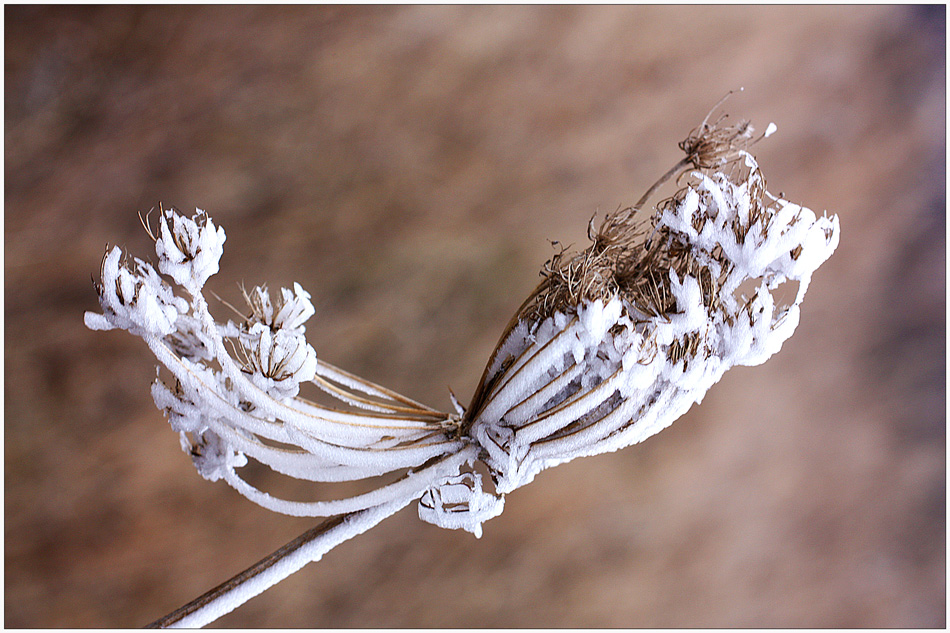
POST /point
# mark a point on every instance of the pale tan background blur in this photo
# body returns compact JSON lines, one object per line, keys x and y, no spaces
{"x":408,"y":166}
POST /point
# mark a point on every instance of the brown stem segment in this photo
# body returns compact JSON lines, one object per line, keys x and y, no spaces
{"x":672,"y":172}
{"x":249,"y":573}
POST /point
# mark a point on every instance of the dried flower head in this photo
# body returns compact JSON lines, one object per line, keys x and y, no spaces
{"x":134,"y":298}
{"x":289,"y":311}
{"x":188,"y":249}
{"x":712,"y":145}
{"x":616,"y":342}
{"x":620,"y":339}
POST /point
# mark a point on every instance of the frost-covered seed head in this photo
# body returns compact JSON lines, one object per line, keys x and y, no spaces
{"x":622,"y":338}
{"x":289,"y":311}
{"x":617,"y":342}
{"x":211,"y":455}
{"x":278,"y":361}
{"x":134,"y":297}
{"x":189,"y":249}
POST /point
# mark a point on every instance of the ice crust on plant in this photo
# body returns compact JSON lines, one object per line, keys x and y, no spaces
{"x":617,"y":342}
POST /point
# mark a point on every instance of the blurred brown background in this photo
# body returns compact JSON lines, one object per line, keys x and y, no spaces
{"x":408,"y":165}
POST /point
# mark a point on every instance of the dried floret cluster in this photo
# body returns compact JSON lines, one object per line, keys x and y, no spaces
{"x":621,"y":339}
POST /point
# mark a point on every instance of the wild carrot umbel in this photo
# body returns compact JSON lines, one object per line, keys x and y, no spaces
{"x":616,"y":342}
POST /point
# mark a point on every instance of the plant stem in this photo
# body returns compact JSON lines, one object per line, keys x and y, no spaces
{"x":672,"y":172}
{"x":309,"y":546}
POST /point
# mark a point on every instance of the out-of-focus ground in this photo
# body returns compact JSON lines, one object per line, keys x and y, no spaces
{"x":408,"y":166}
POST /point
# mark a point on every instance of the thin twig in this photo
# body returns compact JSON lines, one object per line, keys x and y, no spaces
{"x":309,"y":546}
{"x":675,"y":169}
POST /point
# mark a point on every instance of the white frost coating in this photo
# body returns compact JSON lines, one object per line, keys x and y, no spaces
{"x":412,"y":486}
{"x":597,"y":319}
